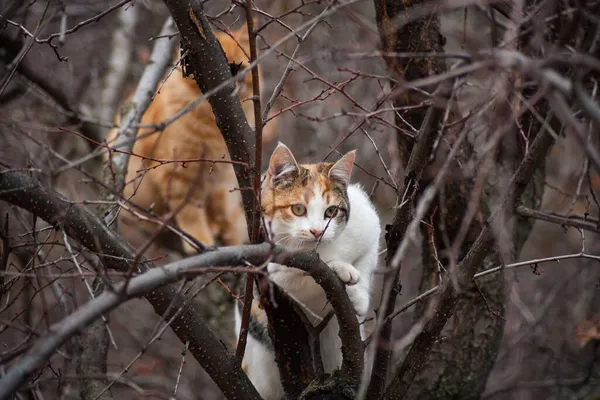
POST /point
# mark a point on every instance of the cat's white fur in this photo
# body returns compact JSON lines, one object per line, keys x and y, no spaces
{"x":351,"y":251}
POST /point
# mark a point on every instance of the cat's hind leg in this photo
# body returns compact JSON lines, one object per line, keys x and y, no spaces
{"x":188,"y":204}
{"x":192,"y":219}
{"x":226,"y":214}
{"x":259,"y":362}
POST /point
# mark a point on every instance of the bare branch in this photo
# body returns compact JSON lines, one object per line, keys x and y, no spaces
{"x":576,"y":221}
{"x":91,"y":348}
{"x":418,"y":354}
{"x":162,"y":54}
{"x":81,"y":24}
{"x":397,"y":232}
{"x":206,"y":61}
{"x":23,"y":190}
{"x":290,"y":66}
{"x":290,"y":338}
{"x":256,"y":214}
{"x":154,"y":278}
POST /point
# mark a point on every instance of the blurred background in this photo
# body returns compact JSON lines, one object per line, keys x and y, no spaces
{"x":549,"y":348}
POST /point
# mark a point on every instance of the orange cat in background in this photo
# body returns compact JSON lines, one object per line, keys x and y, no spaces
{"x":204,"y":195}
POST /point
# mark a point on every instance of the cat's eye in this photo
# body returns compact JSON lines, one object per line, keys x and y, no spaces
{"x":331,"y":212}
{"x":298,"y":210}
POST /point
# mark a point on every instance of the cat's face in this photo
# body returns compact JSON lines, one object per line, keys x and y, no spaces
{"x":305,"y":204}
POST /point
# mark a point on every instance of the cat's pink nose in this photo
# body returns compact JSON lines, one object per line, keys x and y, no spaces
{"x":316,"y":233}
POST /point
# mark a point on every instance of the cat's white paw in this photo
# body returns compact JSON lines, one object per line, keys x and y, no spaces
{"x":359,"y":299}
{"x":346,"y":271}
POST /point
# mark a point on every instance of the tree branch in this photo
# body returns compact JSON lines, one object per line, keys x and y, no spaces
{"x":119,"y":63}
{"x":290,"y":338}
{"x":162,"y":54}
{"x":418,"y":353}
{"x":207,"y":63}
{"x":397,"y":231}
{"x":148,"y":283}
{"x":256,"y":220}
{"x":91,"y":352}
{"x":22,"y":190}
{"x":576,"y":221}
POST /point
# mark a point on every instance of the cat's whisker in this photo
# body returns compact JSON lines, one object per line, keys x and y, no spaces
{"x":284,"y":240}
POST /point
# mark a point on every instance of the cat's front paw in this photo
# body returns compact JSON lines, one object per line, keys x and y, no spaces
{"x":346,"y":271}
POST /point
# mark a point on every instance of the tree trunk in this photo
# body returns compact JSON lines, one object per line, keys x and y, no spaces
{"x":460,"y":364}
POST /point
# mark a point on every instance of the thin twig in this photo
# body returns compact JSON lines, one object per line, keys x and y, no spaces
{"x":254,"y":234}
{"x":185,"y":348}
{"x":86,"y":284}
{"x":576,"y":221}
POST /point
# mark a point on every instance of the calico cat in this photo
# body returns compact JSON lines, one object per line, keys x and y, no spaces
{"x":313,"y":206}
{"x":205,"y":193}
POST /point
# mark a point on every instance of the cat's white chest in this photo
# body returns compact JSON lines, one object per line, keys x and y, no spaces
{"x":329,"y":253}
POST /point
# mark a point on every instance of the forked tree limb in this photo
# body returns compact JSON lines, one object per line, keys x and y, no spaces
{"x":23,"y":190}
{"x":210,"y":69}
{"x":417,"y":356}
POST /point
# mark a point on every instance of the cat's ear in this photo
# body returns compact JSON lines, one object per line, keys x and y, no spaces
{"x":241,"y":35}
{"x":282,"y":161}
{"x":342,"y":169}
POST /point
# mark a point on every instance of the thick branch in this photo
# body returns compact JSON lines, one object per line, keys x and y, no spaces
{"x":415,"y":35}
{"x":206,"y":61}
{"x":418,"y":354}
{"x":151,"y":281}
{"x":256,"y":221}
{"x":21,"y":189}
{"x":290,"y":338}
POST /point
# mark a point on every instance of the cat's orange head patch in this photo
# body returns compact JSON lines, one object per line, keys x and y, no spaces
{"x":305,"y":203}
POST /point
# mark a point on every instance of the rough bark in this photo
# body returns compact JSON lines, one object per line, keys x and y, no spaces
{"x":290,"y":339}
{"x":459,"y":365}
{"x":206,"y":61}
{"x":421,"y":35}
{"x":417,"y":358}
